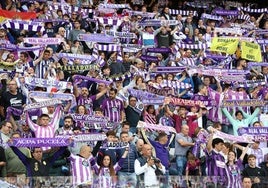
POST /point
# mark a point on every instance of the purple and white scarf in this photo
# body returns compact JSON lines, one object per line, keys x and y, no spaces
{"x":76,"y":79}
{"x":155,"y":127}
{"x":43,"y":41}
{"x":39,"y":82}
{"x":49,"y":102}
{"x":40,"y":142}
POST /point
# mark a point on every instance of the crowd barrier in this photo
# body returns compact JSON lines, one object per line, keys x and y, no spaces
{"x":66,"y":182}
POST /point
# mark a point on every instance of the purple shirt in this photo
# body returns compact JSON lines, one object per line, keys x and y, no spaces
{"x":233,"y":174}
{"x":215,"y":164}
{"x":112,"y":109}
{"x":88,"y":102}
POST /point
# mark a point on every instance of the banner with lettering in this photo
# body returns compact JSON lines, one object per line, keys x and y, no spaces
{"x":44,"y":41}
{"x":238,"y":139}
{"x":99,"y":38}
{"x":40,"y":142}
{"x":155,"y":127}
{"x":251,"y":51}
{"x":39,"y":82}
{"x":79,"y":68}
{"x":243,"y":103}
{"x":84,"y":137}
{"x":115,"y":145}
{"x":226,"y":45}
{"x":42,"y":104}
{"x":185,"y":102}
{"x":38,"y":96}
{"x":253,"y":130}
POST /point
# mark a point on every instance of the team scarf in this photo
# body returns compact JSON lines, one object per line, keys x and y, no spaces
{"x":46,"y":95}
{"x":43,"y":41}
{"x":166,"y":91}
{"x":223,"y":12}
{"x":89,"y":119}
{"x":232,"y":138}
{"x":243,"y":26}
{"x":114,"y":6}
{"x":11,"y":111}
{"x":77,"y":78}
{"x":109,"y":48}
{"x":247,"y":9}
{"x":36,"y":105}
{"x":158,"y":23}
{"x":143,"y":14}
{"x":243,"y":17}
{"x":110,"y":21}
{"x":197,"y":5}
{"x":149,"y":58}
{"x":121,"y":34}
{"x":175,"y":84}
{"x":249,"y":83}
{"x":253,"y":130}
{"x":28,"y":26}
{"x":12,"y":47}
{"x":243,"y":103}
{"x":89,"y":137}
{"x":201,"y":138}
{"x":191,"y":46}
{"x":233,"y":31}
{"x":182,"y":12}
{"x":159,"y":50}
{"x":39,"y":142}
{"x":67,"y":9}
{"x":231,"y":78}
{"x":211,"y":17}
{"x":84,"y":58}
{"x":155,"y":127}
{"x":261,"y":31}
{"x":262,"y":41}
{"x":215,"y":56}
{"x":39,"y":82}
{"x":146,"y":97}
{"x":243,"y":38}
{"x":168,"y":69}
{"x":96,"y":37}
{"x":254,"y":64}
{"x":217,"y":72}
{"x":120,"y":77}
{"x":114,"y":145}
{"x":184,"y":102}
{"x":44,"y":20}
{"x":79,"y":67}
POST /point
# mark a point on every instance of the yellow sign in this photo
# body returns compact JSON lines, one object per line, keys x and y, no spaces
{"x":226,"y":45}
{"x":251,"y":51}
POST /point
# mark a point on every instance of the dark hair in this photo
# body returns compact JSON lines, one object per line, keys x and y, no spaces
{"x":98,"y":109}
{"x":3,"y":123}
{"x":216,"y":141}
{"x":110,"y":133}
{"x":44,"y":115}
{"x":237,"y":112}
{"x":123,"y":133}
{"x":161,"y":135}
{"x":131,"y":96}
{"x":125,"y":123}
{"x":25,"y":54}
{"x":111,"y":166}
{"x":68,"y":117}
{"x":251,"y":156}
{"x":113,"y":89}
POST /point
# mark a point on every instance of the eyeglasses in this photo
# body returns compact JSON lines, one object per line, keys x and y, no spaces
{"x":9,"y":127}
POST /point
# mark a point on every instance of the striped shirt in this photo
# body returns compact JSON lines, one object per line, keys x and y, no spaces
{"x":112,"y":109}
{"x":45,"y":131}
{"x":42,"y":67}
{"x":215,"y":164}
{"x":81,"y":170}
{"x":88,"y":102}
{"x":233,"y":174}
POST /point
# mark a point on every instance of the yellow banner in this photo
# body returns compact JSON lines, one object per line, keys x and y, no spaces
{"x":251,"y":51}
{"x":226,"y":45}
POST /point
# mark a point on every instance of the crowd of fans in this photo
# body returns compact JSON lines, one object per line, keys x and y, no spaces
{"x":142,"y":74}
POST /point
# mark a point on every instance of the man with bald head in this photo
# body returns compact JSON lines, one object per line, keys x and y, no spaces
{"x":182,"y":145}
{"x":139,"y":146}
{"x":146,"y":168}
{"x":81,"y":165}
